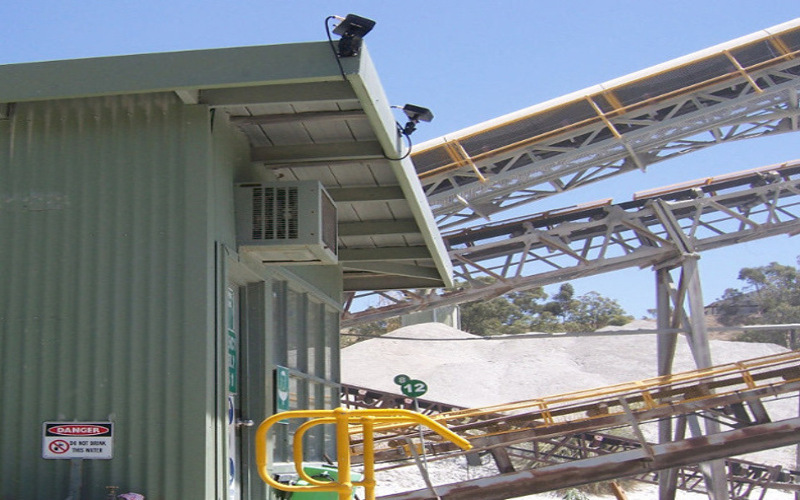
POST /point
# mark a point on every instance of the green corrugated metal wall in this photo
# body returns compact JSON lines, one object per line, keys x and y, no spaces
{"x":107,"y":293}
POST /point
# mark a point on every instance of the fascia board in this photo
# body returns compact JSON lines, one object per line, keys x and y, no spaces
{"x":369,"y":90}
{"x":186,"y":71}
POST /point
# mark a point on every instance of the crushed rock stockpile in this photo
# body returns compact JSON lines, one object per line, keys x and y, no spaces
{"x":469,"y":370}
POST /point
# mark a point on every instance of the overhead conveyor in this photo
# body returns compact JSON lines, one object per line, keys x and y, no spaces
{"x":655,"y":229}
{"x":742,"y":89}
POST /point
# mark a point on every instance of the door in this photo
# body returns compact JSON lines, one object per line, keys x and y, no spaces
{"x":233,"y":392}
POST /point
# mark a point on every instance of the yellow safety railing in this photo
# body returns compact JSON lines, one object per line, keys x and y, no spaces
{"x":649,"y":394}
{"x":342,"y":418}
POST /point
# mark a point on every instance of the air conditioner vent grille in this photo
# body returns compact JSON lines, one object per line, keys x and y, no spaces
{"x":276,"y":213}
{"x":287,"y":222}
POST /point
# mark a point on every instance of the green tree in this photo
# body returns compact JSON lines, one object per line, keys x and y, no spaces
{"x":528,"y":300}
{"x":592,"y":311}
{"x":730,"y":308}
{"x":562,"y":302}
{"x":574,"y":494}
{"x":497,"y":316}
{"x":529,"y":310}
{"x":546,"y":321}
{"x":776,"y":290}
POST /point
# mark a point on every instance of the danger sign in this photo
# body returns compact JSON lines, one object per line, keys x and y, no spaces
{"x":86,"y":440}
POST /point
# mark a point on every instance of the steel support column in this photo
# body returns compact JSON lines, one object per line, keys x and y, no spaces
{"x":698,"y":335}
{"x":690,"y":291}
{"x":666,"y":344}
{"x":714,"y":472}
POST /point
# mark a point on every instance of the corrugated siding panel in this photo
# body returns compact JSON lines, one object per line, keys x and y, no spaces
{"x":104,"y":292}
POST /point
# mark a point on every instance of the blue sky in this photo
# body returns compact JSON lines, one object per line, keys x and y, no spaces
{"x":468,"y":61}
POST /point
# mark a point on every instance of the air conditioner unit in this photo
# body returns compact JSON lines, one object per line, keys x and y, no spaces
{"x":286,"y":223}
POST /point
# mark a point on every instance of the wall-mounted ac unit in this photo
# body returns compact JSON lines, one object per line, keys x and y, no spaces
{"x":286,"y":223}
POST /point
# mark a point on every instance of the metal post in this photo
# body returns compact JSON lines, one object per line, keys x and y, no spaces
{"x":666,"y":343}
{"x":368,"y":424}
{"x":714,"y":472}
{"x":698,"y":339}
{"x":423,"y":463}
{"x":75,"y":478}
{"x":618,"y":492}
{"x":343,"y":451}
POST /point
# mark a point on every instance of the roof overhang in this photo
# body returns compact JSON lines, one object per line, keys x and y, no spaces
{"x":306,"y":117}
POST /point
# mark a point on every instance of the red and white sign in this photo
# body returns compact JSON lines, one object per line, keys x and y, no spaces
{"x":58,"y":447}
{"x":85,"y":440}
{"x":78,"y":430}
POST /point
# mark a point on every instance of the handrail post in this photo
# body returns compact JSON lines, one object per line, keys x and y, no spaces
{"x":343,"y":451}
{"x":368,"y":425}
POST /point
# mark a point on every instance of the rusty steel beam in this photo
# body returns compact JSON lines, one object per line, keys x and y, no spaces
{"x":618,"y":465}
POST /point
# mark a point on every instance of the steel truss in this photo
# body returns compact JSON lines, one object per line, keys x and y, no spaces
{"x":743,"y":89}
{"x":658,"y":229}
{"x":739,"y":91}
{"x":561,"y":441}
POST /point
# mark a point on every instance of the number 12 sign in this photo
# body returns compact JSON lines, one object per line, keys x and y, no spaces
{"x":411,"y":388}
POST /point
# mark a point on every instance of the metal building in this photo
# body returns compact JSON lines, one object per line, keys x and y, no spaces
{"x":168,"y":239}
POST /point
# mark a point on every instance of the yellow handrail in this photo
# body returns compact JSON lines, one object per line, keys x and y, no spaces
{"x":748,"y":374}
{"x":342,"y":417}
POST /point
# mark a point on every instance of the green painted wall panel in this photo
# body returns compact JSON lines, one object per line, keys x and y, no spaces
{"x":116,"y":231}
{"x":106,"y":293}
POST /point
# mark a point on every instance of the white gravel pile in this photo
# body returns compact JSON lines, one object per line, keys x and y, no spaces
{"x":468,"y":370}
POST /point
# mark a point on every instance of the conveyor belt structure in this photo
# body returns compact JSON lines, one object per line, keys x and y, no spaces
{"x":593,"y":435}
{"x":655,"y":229}
{"x":737,"y":90}
{"x":742,"y":89}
